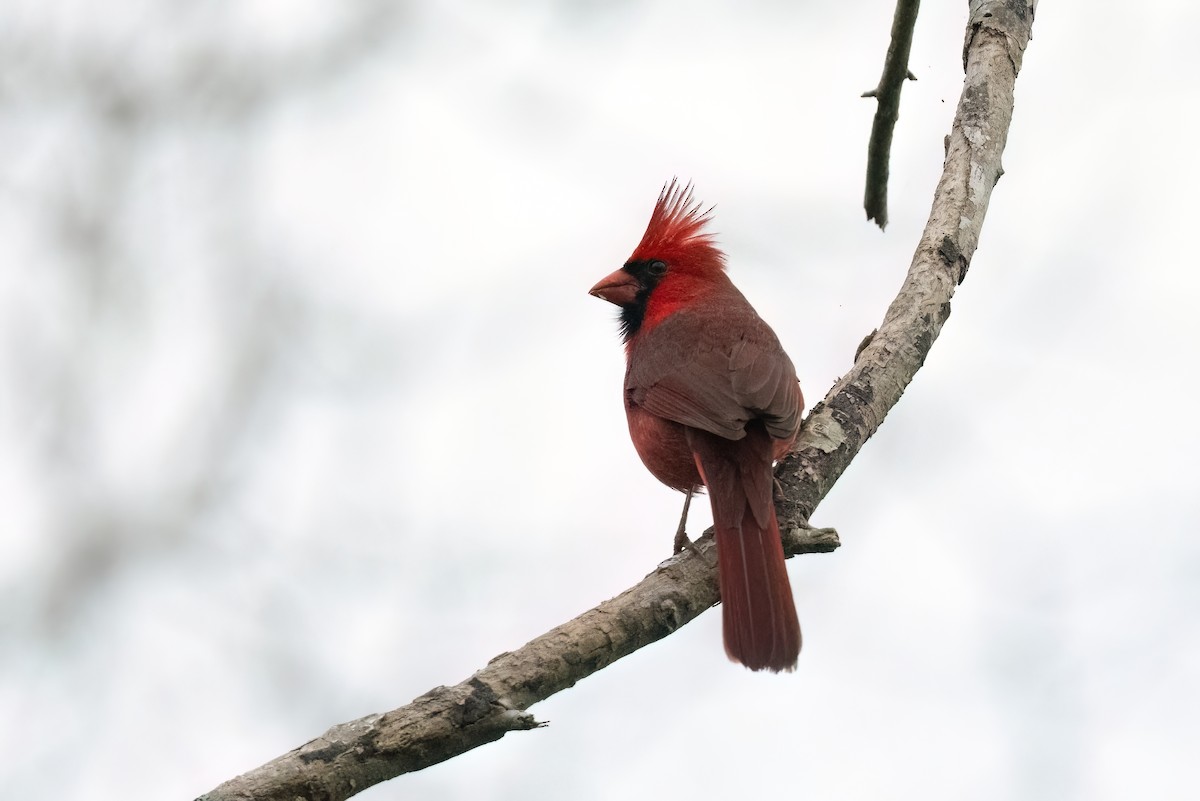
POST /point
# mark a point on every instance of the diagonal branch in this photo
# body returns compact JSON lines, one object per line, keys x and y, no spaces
{"x":895,"y":70}
{"x":997,"y":33}
{"x":448,"y":721}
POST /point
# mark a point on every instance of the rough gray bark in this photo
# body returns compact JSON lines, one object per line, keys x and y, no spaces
{"x":446,"y":721}
{"x":450,"y":720}
{"x":997,"y":33}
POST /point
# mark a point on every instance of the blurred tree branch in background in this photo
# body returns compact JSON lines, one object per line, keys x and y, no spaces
{"x":450,"y":720}
{"x":123,"y":107}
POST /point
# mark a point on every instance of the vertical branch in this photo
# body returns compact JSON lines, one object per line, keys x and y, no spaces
{"x":837,"y":427}
{"x":887,"y":93}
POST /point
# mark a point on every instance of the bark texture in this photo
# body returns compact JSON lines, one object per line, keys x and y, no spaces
{"x":447,"y":721}
{"x":837,"y":427}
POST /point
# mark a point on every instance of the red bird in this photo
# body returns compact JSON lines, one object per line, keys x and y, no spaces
{"x":712,"y":400}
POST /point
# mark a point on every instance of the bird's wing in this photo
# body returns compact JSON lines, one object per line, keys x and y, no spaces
{"x":716,"y":375}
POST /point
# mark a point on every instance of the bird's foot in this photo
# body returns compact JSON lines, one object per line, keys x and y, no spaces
{"x":682,"y":541}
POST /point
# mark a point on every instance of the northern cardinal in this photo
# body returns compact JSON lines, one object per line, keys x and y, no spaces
{"x":712,"y":400}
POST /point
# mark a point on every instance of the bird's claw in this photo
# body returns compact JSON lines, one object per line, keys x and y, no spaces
{"x":682,"y":541}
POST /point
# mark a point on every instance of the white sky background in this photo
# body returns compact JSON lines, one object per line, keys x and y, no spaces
{"x":306,"y":409}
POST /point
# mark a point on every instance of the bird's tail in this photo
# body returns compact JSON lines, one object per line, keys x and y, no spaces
{"x":759,"y":613}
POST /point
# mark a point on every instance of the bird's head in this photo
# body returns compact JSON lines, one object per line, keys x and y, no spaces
{"x":674,"y":258}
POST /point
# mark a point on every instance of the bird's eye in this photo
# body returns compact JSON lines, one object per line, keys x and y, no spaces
{"x":657,"y":268}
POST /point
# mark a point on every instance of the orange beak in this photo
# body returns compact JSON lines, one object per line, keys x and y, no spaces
{"x":620,"y":288}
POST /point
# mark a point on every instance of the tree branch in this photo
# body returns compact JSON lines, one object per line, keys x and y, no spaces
{"x":450,"y":720}
{"x":837,"y":427}
{"x":895,"y":70}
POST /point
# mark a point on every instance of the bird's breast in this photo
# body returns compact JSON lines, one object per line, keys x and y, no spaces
{"x":663,"y":447}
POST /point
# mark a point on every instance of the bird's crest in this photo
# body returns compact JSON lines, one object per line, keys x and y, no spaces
{"x":676,"y":229}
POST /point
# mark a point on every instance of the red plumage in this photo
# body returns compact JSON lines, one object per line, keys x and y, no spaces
{"x":712,"y":400}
